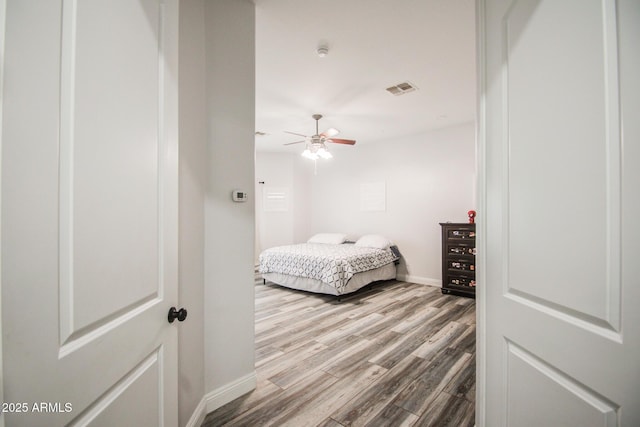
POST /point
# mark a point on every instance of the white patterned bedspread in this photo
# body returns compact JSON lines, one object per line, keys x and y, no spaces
{"x":331,"y":264}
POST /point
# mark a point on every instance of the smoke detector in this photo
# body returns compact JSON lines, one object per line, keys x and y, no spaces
{"x":322,"y":51}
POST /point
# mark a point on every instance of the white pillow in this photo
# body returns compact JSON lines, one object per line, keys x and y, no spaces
{"x":329,"y":238}
{"x":373,"y":241}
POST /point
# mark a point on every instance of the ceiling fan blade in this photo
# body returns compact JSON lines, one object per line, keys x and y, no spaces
{"x":293,"y":133}
{"x":342,"y":141}
{"x":295,"y":142}
{"x":330,"y":132}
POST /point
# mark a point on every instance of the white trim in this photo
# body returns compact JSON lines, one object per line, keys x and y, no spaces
{"x":481,"y":191}
{"x":225,"y":394}
{"x":197,"y":418}
{"x":221,"y":396}
{"x":419,"y":280}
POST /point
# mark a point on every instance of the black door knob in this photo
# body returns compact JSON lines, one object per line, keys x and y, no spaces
{"x":176,"y":314}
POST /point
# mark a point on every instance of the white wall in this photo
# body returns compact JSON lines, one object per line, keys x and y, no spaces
{"x":429,"y":179}
{"x":303,"y":196}
{"x":216,"y":359}
{"x":229,"y":226}
{"x":193,"y":181}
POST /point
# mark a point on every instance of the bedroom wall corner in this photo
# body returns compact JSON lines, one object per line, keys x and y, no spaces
{"x":192,"y":186}
{"x":428,"y":179}
{"x":229,"y":225}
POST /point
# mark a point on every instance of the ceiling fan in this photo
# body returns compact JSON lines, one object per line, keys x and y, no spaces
{"x":316,"y":147}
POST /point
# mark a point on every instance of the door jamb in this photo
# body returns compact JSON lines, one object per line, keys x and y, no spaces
{"x":481,"y":191}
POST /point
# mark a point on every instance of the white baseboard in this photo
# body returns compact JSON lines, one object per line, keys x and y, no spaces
{"x":221,"y":396}
{"x":419,"y":280}
{"x":198,"y":414}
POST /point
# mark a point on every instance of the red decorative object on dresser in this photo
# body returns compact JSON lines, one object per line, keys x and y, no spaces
{"x":472,"y":216}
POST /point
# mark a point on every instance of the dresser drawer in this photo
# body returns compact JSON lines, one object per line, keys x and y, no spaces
{"x":461,"y":234}
{"x":461,"y":281}
{"x":461,"y":248}
{"x":461,"y":265}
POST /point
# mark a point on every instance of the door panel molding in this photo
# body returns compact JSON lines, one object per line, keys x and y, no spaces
{"x":529,"y":151}
{"x":528,"y":375}
{"x":79,"y":339}
{"x":150,"y":369}
{"x":575,"y":318}
{"x":76,"y":328}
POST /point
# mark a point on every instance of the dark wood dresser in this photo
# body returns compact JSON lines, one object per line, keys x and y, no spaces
{"x":459,"y":259}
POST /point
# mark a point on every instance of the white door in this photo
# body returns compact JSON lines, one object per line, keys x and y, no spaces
{"x":89,"y":211}
{"x":560,"y":237}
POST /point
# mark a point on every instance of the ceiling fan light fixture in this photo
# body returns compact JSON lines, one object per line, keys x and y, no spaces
{"x":324,"y":153}
{"x":310,"y":155}
{"x":315,"y":147}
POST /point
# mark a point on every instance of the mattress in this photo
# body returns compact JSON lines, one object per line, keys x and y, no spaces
{"x":329,"y":267}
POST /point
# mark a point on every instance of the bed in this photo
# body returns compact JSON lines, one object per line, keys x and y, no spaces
{"x":328,"y":264}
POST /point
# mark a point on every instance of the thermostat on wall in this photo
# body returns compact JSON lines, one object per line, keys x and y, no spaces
{"x":240,"y":196}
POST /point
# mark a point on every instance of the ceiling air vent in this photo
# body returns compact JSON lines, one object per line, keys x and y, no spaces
{"x":401,"y":88}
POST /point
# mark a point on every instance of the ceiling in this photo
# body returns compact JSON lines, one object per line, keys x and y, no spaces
{"x":373,"y":44}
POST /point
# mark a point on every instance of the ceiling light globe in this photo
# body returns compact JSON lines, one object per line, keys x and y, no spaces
{"x":322,"y":152}
{"x":310,"y":155}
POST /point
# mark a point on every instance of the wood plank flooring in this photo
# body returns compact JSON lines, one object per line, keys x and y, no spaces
{"x":392,"y":354}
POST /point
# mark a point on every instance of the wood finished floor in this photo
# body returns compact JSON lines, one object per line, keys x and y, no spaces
{"x":393,"y":354}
